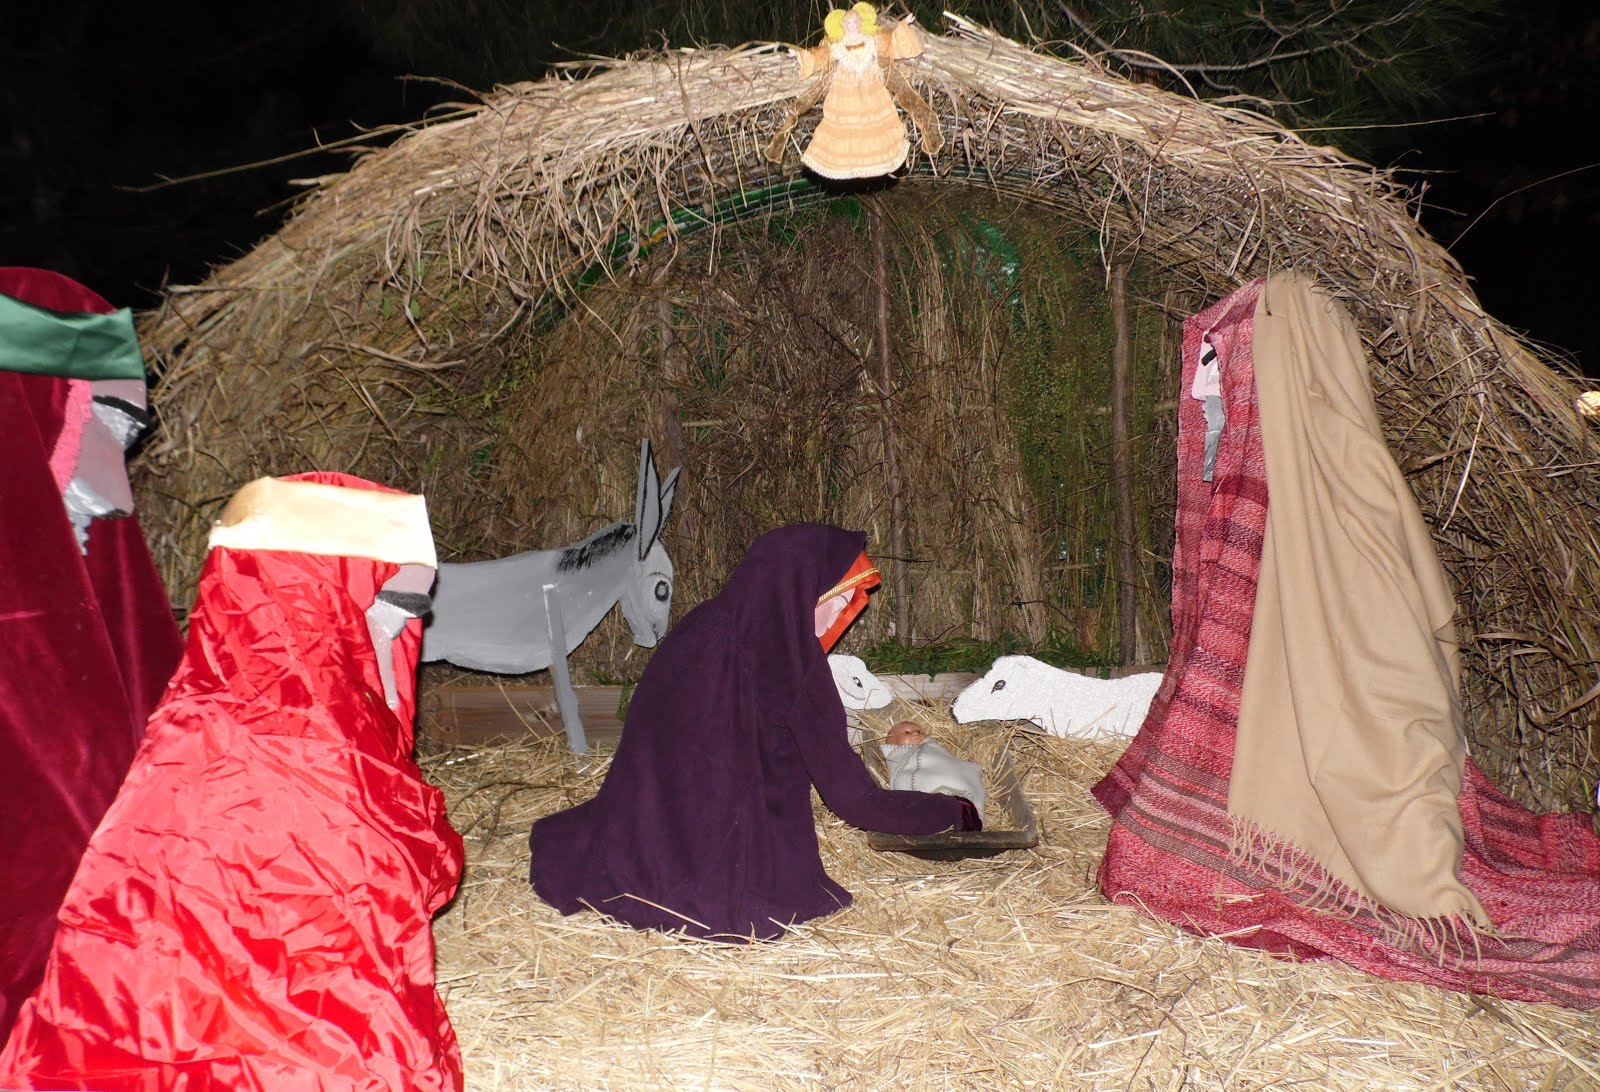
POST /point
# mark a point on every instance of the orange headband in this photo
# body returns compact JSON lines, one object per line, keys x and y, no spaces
{"x":861,"y":576}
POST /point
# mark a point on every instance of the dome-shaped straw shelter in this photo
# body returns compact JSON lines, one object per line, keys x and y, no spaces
{"x":496,"y":306}
{"x":976,"y":362}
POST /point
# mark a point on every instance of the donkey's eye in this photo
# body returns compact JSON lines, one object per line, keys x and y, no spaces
{"x":999,"y":684}
{"x":856,"y":681}
{"x":662,"y":591}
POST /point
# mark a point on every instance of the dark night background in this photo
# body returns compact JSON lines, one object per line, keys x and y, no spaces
{"x":101,"y":99}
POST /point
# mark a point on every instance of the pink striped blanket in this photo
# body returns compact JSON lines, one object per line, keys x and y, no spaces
{"x":1173,"y":851}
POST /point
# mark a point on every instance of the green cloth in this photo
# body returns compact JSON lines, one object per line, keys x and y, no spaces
{"x":74,"y":344}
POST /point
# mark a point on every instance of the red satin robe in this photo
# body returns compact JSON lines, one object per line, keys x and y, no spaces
{"x":254,"y":910}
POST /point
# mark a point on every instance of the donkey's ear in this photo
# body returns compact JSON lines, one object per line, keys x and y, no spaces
{"x":647,"y":512}
{"x":669,"y":491}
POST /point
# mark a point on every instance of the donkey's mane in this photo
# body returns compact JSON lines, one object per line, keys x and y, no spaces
{"x":597,"y":547}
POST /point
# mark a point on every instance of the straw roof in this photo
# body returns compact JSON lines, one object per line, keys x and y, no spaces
{"x":369,"y":333}
{"x":1009,"y":972}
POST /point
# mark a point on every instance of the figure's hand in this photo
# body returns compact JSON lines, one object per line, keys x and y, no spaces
{"x":970,"y":819}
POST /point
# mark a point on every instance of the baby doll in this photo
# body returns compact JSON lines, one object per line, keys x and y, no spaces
{"x":916,"y":762}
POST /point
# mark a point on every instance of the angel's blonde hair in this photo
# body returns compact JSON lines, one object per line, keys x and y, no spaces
{"x":833,"y":25}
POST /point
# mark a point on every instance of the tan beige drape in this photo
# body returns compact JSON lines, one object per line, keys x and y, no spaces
{"x":1350,"y":741}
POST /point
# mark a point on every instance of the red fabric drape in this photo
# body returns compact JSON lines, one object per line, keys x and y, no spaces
{"x":89,"y":642}
{"x":1168,"y":854}
{"x":254,"y":911}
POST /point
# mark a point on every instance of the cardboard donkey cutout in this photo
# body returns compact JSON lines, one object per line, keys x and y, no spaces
{"x":517,"y":614}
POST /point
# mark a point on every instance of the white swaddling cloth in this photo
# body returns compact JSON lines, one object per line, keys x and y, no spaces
{"x":928,"y":767}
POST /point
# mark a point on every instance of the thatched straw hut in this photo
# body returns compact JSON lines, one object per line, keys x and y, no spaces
{"x":496,"y":306}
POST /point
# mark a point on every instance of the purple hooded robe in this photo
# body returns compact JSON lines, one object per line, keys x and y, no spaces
{"x":703,"y":823}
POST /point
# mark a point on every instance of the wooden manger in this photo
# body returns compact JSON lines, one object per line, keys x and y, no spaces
{"x":1018,"y":827}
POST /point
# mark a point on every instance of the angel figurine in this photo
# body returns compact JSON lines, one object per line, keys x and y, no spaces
{"x":861,"y":134}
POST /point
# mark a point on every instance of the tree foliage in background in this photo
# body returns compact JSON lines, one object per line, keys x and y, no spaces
{"x":1328,"y":66}
{"x":101,"y":101}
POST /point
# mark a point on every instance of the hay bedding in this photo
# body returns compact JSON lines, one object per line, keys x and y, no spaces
{"x":998,"y":973}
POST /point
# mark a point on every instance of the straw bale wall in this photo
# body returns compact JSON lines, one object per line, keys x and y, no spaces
{"x":750,"y":360}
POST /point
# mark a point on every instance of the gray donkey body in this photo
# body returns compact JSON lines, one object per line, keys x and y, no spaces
{"x":530,"y":611}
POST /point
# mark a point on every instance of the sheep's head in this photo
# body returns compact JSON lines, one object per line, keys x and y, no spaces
{"x":1063,"y":703}
{"x":858,"y":687}
{"x":1014,"y":688}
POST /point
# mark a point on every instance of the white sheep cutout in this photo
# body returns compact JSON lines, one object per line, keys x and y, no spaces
{"x":858,"y":687}
{"x":1063,"y":703}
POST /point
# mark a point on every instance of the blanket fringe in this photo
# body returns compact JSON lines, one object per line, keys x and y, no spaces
{"x":1265,"y":859}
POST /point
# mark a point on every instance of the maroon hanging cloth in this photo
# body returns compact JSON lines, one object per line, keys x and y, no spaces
{"x":89,"y":642}
{"x":1171,"y":850}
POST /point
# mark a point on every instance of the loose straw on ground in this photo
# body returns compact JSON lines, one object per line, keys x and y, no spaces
{"x":1008,"y":972}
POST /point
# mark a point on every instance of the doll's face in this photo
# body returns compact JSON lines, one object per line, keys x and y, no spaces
{"x":120,"y":415}
{"x":856,"y":51}
{"x":828,"y":610}
{"x":906,"y":732}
